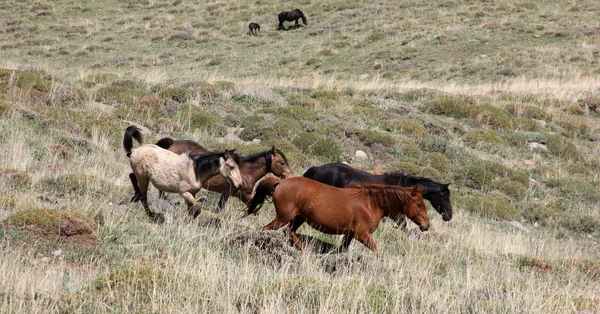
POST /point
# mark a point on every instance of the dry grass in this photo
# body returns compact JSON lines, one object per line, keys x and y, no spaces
{"x":504,"y":54}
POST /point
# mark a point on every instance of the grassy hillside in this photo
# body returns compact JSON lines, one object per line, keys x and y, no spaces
{"x":498,"y":98}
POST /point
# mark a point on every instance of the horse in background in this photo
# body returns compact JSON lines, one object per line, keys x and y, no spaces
{"x":174,"y":173}
{"x":289,"y":16}
{"x":252,"y":168}
{"x":341,"y":175}
{"x":254,"y":27}
{"x":355,"y":211}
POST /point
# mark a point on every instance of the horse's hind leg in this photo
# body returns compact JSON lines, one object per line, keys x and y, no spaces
{"x":156,"y":217}
{"x":137,"y":196}
{"x":348,"y":236}
{"x":367,"y":240}
{"x":296,"y":223}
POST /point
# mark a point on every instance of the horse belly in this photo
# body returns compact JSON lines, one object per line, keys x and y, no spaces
{"x":329,"y":229}
{"x":331,"y":218}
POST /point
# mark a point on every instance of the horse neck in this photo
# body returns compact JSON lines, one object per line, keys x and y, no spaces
{"x":207,"y":169}
{"x":383,"y":198}
{"x":253,"y":171}
{"x":408,"y":181}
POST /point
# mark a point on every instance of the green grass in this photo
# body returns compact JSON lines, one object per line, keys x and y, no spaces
{"x":456,"y":91}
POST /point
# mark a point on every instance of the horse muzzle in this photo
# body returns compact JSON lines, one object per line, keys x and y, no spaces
{"x":424,"y":228}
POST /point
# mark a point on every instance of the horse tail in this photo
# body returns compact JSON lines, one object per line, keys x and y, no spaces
{"x":265,"y":188}
{"x":132,"y":132}
{"x":165,"y":142}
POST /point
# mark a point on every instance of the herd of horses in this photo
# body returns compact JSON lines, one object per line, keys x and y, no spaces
{"x":334,"y":198}
{"x":289,"y":16}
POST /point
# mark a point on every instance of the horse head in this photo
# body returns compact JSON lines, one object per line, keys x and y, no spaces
{"x":416,"y":210}
{"x":441,"y":201}
{"x":229,"y":167}
{"x":301,"y":15}
{"x":278,"y":164}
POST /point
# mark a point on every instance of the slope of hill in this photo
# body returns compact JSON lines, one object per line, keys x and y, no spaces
{"x":499,"y":99}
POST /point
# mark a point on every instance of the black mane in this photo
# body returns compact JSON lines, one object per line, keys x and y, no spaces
{"x":205,"y":163}
{"x":405,"y":179}
{"x":256,"y":156}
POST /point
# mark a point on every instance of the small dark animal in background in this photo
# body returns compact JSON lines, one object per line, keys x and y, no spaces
{"x":253,"y":28}
{"x":289,"y":16}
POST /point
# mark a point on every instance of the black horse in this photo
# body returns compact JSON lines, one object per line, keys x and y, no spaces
{"x":342,"y":175}
{"x":253,"y":28}
{"x":289,"y":16}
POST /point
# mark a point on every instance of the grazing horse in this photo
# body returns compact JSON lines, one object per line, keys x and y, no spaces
{"x":252,"y":169}
{"x":342,"y":175}
{"x":354,"y":212}
{"x":174,"y":173}
{"x":289,"y":16}
{"x":253,"y":28}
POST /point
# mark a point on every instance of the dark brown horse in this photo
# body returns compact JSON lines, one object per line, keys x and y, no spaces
{"x":254,"y":27}
{"x":252,"y":169}
{"x":174,"y":173}
{"x":289,"y":16}
{"x":354,"y":212}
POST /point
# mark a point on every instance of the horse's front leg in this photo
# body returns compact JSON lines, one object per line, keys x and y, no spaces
{"x":366,"y":239}
{"x":193,"y":207}
{"x":223,"y":200}
{"x":296,"y":223}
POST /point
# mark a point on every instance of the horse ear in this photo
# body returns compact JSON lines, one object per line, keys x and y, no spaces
{"x":417,"y":190}
{"x":273,"y":150}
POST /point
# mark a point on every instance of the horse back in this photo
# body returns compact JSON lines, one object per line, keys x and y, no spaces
{"x":341,"y":175}
{"x":183,"y":146}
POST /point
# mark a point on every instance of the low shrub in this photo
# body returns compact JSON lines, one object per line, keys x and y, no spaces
{"x":316,"y":144}
{"x":439,"y":161}
{"x":483,"y":136}
{"x":528,"y":111}
{"x":408,"y":167}
{"x":48,"y":222}
{"x":474,"y":176}
{"x":514,"y":189}
{"x":370,"y":137}
{"x":409,"y":127}
{"x":562,"y":148}
{"x":203,"y":120}
{"x":15,"y":178}
{"x":495,"y":117}
{"x":447,"y":106}
{"x":114,"y":95}
{"x":494,"y":207}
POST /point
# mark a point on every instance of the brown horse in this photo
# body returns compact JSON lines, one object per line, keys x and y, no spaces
{"x":354,"y":212}
{"x":170,"y":172}
{"x":252,"y":169}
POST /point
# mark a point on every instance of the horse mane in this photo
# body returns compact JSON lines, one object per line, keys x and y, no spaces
{"x":204,"y":162}
{"x":383,"y":196}
{"x":254,"y":157}
{"x":404,"y":178}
